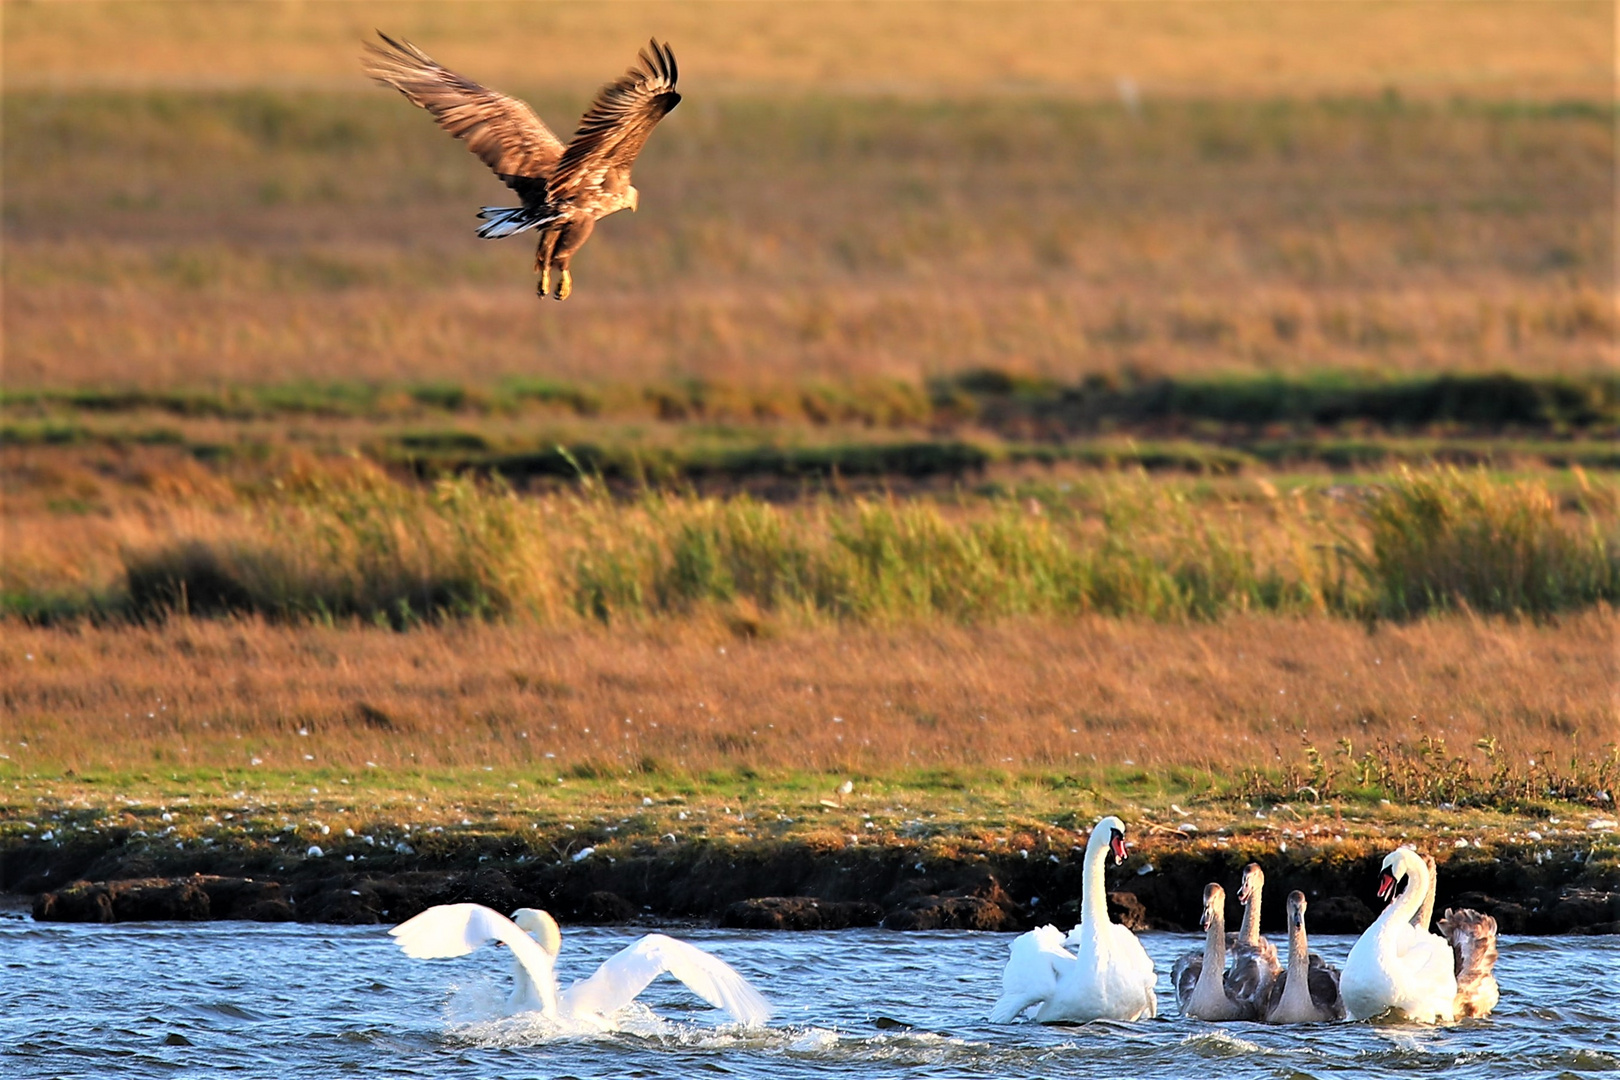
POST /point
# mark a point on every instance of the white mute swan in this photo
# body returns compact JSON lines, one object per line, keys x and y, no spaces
{"x":1202,"y":986}
{"x":1108,"y":976}
{"x":1396,"y":965}
{"x":1308,"y":992}
{"x":1254,"y":959}
{"x":458,"y":929}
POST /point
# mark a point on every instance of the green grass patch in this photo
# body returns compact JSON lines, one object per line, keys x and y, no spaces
{"x":1005,"y":402}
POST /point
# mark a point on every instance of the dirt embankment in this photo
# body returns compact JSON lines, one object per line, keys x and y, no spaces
{"x":797,"y":886}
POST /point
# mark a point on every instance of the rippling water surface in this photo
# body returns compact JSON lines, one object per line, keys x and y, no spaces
{"x":170,"y":999}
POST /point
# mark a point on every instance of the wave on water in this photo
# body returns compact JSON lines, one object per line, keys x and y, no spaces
{"x":1220,"y":1044}
{"x":480,"y":1022}
{"x":831,"y":1043}
{"x":227,"y":1012}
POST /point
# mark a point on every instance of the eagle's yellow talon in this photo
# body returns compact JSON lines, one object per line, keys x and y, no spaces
{"x":565,"y":286}
{"x":545,"y":280}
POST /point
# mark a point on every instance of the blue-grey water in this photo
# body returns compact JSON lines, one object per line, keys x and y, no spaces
{"x":205,"y":999}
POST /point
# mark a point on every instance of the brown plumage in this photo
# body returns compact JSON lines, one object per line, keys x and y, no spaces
{"x":1473,"y":944}
{"x":1254,"y":959}
{"x":1315,"y":999}
{"x":564,"y":189}
{"x":1204,"y":989}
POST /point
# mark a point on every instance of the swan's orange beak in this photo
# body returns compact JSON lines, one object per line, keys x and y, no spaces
{"x":1386,"y":886}
{"x":1116,"y":844}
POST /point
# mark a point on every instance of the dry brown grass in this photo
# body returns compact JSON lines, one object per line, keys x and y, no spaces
{"x":1093,"y":697}
{"x":252,"y":239}
{"x":1543,"y":48}
{"x":1267,"y":210}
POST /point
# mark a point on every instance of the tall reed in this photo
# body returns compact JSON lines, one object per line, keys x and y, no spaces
{"x":361,"y":544}
{"x":356,"y":544}
{"x":1450,"y":539}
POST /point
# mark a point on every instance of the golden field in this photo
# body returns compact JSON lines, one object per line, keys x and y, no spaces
{"x":223,"y":198}
{"x":1544,"y":49}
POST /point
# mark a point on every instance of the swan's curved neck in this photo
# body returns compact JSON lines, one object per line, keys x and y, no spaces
{"x":1405,"y":907}
{"x":1297,"y":994}
{"x":1299,"y":955}
{"x":1214,"y":972}
{"x":1425,"y":916}
{"x":1094,"y":889}
{"x":530,"y":991}
{"x":1249,"y":932}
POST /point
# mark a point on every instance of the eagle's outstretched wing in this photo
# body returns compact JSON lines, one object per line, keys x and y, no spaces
{"x":615,"y":127}
{"x":503,"y":131}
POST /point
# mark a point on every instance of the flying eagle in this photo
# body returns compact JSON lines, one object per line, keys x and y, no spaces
{"x":564,"y":189}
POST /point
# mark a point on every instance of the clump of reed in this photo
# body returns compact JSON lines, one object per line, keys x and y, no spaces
{"x":1448,"y":539}
{"x":363,"y":545}
{"x":360,"y":544}
{"x":354,"y":544}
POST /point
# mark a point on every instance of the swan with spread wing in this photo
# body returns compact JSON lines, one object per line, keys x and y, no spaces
{"x":532,"y":935}
{"x":564,"y":190}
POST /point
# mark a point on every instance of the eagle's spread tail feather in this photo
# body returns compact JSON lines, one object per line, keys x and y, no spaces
{"x":510,"y":220}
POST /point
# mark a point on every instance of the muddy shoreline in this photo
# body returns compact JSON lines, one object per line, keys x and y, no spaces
{"x":1539,"y":889}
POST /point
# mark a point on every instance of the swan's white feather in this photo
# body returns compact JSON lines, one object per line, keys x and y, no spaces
{"x":1035,"y":962}
{"x":458,"y":929}
{"x":1132,"y":978}
{"x":627,"y":972}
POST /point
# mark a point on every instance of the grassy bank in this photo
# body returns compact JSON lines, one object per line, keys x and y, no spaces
{"x":1539,"y":51}
{"x":794,"y":439}
{"x":970,"y":850}
{"x":768,"y":762}
{"x":398,"y":821}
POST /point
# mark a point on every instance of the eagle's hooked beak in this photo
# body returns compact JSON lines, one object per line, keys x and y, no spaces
{"x":635,"y":199}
